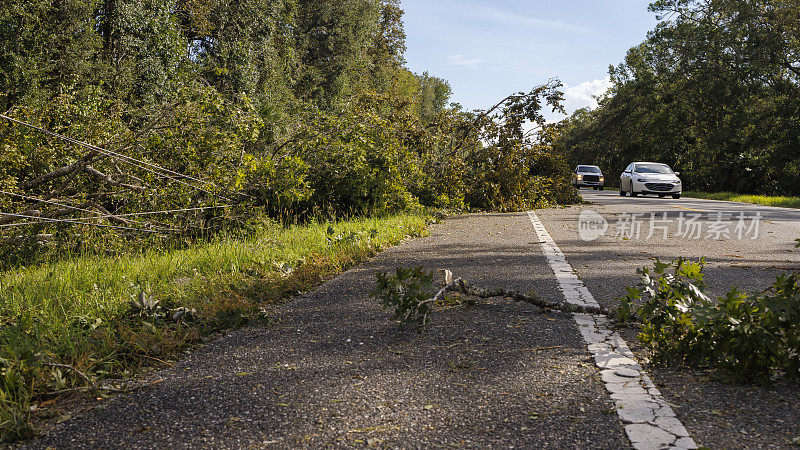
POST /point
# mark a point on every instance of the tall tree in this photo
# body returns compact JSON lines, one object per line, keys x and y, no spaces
{"x":713,"y":90}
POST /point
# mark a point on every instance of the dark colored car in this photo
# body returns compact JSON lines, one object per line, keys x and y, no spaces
{"x":588,"y":176}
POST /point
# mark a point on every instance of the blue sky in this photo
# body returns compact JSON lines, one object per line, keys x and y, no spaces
{"x":489,"y":49}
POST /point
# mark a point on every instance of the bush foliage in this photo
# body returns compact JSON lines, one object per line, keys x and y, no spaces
{"x":748,"y":337}
{"x":290,"y":109}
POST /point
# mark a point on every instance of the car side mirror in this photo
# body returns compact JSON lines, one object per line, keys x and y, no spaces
{"x":677,"y":174}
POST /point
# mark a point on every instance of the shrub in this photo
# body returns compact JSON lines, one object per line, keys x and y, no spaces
{"x":748,"y":337}
{"x":277,"y":185}
{"x":409,"y":292}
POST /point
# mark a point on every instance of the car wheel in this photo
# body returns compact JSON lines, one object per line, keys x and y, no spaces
{"x":634,"y":194}
{"x":661,"y":195}
{"x":600,"y":188}
{"x":622,"y":193}
{"x":676,"y":196}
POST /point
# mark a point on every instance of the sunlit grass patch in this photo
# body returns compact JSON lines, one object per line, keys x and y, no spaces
{"x":765,"y":200}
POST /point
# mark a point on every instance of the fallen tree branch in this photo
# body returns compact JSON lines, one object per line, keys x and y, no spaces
{"x":73,"y":369}
{"x":61,"y":187}
{"x":111,"y":217}
{"x":154,"y":359}
{"x":107,"y":178}
{"x":430,"y":300}
{"x":91,"y":384}
{"x":408,"y":293}
{"x":461,"y":285}
{"x":87,"y":388}
{"x":58,"y":173}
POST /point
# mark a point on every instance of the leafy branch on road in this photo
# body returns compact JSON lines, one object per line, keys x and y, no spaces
{"x":748,"y":337}
{"x":410,"y":291}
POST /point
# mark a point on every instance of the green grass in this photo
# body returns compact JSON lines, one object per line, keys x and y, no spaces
{"x":786,"y":202}
{"x":77,"y":312}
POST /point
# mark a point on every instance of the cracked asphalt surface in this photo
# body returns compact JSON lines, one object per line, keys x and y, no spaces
{"x":333,"y":371}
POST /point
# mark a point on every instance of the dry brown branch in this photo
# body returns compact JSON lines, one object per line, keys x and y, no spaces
{"x":111,"y":217}
{"x":73,"y":369}
{"x":464,"y":287}
{"x":107,"y":178}
{"x":58,"y":173}
{"x":87,"y":388}
{"x":154,"y":359}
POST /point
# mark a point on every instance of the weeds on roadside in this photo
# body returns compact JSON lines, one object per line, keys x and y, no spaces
{"x":766,"y":200}
{"x":102,"y":317}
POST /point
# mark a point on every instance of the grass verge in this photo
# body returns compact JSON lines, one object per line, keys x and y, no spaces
{"x":765,"y":200}
{"x":67,"y":326}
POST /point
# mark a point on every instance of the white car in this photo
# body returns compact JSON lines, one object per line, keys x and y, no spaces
{"x":650,"y":178}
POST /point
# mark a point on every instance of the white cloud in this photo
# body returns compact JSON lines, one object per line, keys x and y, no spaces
{"x":583,"y":95}
{"x":458,"y":60}
{"x":499,"y":16}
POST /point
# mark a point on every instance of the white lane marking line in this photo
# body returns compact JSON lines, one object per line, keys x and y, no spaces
{"x":649,"y":421}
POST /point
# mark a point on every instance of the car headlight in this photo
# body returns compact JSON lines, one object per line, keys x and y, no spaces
{"x":580,"y":177}
{"x":602,"y":179}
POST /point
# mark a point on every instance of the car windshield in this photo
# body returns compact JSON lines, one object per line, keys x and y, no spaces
{"x":589,"y":169}
{"x":652,"y":168}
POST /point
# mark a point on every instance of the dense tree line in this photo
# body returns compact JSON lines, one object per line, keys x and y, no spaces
{"x":713,"y":91}
{"x":287,"y":109}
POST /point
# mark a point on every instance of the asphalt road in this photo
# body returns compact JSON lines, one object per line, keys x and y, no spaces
{"x":333,"y":371}
{"x":609,"y":263}
{"x":717,"y":414}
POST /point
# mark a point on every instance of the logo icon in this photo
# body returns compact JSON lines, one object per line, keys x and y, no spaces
{"x":591,"y":225}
